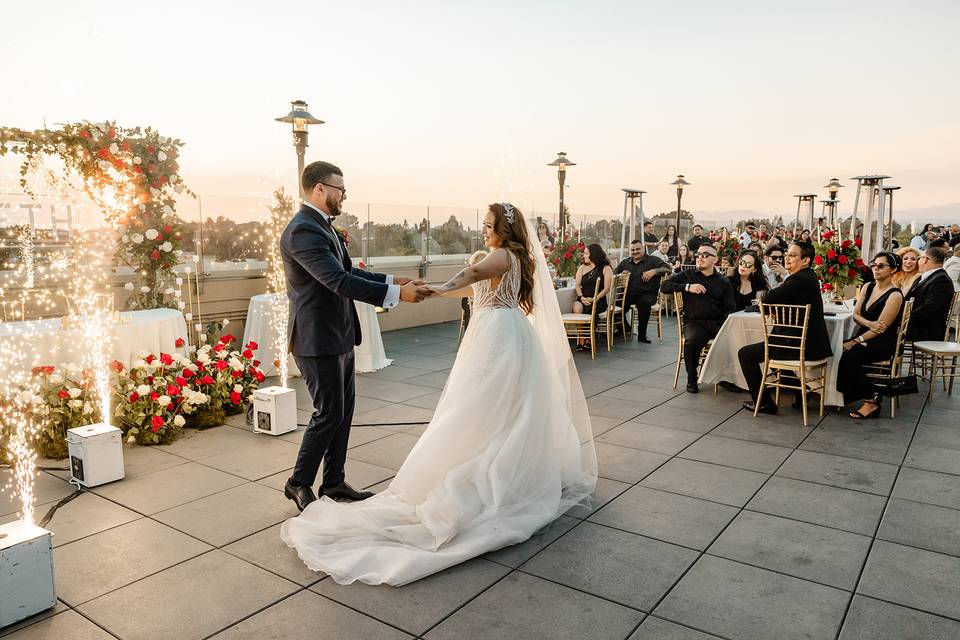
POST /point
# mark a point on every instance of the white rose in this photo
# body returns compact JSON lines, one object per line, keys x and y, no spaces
{"x":161,"y":156}
{"x":137,"y":160}
{"x":226,"y":321}
{"x":188,"y":316}
{"x":163,"y":400}
{"x":144,"y":390}
{"x":167,"y":210}
{"x":75,"y":404}
{"x":152,"y":234}
{"x":87,"y":407}
{"x":238,"y":388}
{"x":104,"y":165}
{"x":139,"y":363}
{"x":144,"y":289}
{"x":235,"y":364}
{"x":173,"y":180}
{"x":43,"y":409}
{"x":181,"y":305}
{"x":179,"y":282}
{"x":125,"y":237}
{"x":178,"y":253}
{"x":179,"y":421}
{"x":56,"y":378}
{"x":26,"y":397}
{"x":166,"y":246}
{"x":168,"y":291}
{"x":136,"y":238}
{"x":114,"y":149}
{"x":128,"y":286}
{"x":61,"y":147}
{"x":203,"y":357}
{"x":155,"y":193}
{"x":177,"y":188}
{"x":74,"y":392}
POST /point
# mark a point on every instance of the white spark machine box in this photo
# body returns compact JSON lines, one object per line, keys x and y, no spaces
{"x":96,"y":454}
{"x":26,"y":571}
{"x":274,"y":410}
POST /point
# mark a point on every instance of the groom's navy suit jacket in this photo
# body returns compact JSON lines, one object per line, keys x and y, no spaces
{"x":321,"y":286}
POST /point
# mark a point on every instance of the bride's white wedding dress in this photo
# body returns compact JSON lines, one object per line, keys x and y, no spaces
{"x":508,"y":450}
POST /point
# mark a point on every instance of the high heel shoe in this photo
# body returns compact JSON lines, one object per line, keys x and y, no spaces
{"x":873,"y":415}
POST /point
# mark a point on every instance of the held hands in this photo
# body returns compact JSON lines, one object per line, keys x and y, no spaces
{"x":413,"y":290}
{"x":696,"y":288}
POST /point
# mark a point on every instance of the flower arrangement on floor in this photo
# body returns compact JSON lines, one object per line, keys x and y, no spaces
{"x":566,"y":257}
{"x":837,"y":265}
{"x":62,"y":399}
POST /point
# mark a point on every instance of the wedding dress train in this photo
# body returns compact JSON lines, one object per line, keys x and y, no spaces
{"x":508,"y":450}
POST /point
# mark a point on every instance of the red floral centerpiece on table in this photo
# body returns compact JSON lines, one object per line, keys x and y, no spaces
{"x":837,"y":264}
{"x":566,"y":257}
{"x":729,"y":249}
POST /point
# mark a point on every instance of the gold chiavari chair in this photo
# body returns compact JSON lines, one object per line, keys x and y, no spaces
{"x":616,"y":308}
{"x":939,"y":359}
{"x":785,"y":325}
{"x":891,"y":368}
{"x":583,"y":326}
{"x":678,"y":306}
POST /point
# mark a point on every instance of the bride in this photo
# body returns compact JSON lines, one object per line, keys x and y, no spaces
{"x":508,"y":450}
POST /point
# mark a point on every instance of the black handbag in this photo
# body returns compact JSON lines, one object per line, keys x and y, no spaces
{"x":893,"y":387}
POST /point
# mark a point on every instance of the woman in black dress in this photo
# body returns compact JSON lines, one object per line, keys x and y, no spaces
{"x":878,"y":312}
{"x":596,"y":266}
{"x":748,"y":280}
{"x":671,"y":238}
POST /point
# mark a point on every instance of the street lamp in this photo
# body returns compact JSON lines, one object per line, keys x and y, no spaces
{"x":833,"y":186}
{"x":681,"y":183}
{"x":561,"y":163}
{"x":300,"y":118}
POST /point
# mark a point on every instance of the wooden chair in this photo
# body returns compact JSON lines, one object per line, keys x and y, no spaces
{"x":940,"y":360}
{"x":678,"y":306}
{"x":583,"y":326}
{"x":786,"y":325}
{"x":914,"y":357}
{"x":616,"y":307}
{"x":891,"y":368}
{"x":656,"y":314}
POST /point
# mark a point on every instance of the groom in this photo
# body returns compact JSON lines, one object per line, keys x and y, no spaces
{"x":323,"y":328}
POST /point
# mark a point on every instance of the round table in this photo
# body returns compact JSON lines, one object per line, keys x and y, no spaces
{"x":152,"y":330}
{"x":369,"y":356}
{"x":743,"y":328}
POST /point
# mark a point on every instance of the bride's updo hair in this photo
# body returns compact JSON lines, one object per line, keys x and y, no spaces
{"x":513,"y":236}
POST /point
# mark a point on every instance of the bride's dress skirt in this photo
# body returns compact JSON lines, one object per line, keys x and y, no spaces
{"x":500,"y":459}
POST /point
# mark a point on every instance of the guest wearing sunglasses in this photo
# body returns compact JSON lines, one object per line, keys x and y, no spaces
{"x":773,"y":268}
{"x":707,"y":301}
{"x":748,"y":281}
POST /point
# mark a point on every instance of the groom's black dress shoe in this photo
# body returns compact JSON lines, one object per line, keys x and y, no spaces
{"x":343,"y":491}
{"x":765,"y":407}
{"x":302,"y":496}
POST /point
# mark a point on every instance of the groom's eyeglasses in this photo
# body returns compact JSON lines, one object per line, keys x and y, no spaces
{"x":342,"y":190}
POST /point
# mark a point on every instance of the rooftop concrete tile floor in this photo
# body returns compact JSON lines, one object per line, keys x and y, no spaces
{"x":707,"y":523}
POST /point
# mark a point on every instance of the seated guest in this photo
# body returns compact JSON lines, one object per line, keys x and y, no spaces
{"x":649,"y":237}
{"x":877,"y":313}
{"x":596,"y":266}
{"x":909,"y":272}
{"x":773,"y":268}
{"x":645,"y":275}
{"x":952,"y":267}
{"x":748,"y":280}
{"x":684,"y":257}
{"x":694,"y":242}
{"x":662,"y":248}
{"x":707,"y":301}
{"x":801,"y":287}
{"x":931,"y":295}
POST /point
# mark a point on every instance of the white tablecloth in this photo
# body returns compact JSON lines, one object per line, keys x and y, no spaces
{"x":742,"y":328}
{"x":369,"y":356}
{"x":565,"y":297}
{"x":153,"y":330}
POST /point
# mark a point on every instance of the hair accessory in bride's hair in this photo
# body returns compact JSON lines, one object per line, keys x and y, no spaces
{"x":508,"y":211}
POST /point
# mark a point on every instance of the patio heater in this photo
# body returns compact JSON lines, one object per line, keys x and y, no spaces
{"x":885,"y":233}
{"x":805,"y":202}
{"x":632,"y":211}
{"x":561,"y":163}
{"x":300,"y":118}
{"x":680,"y":184}
{"x":830,"y":206}
{"x":872,"y":186}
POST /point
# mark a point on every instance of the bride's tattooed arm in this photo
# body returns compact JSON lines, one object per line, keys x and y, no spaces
{"x":493,"y":266}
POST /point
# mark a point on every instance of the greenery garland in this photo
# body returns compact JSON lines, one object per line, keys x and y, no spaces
{"x":132,"y":174}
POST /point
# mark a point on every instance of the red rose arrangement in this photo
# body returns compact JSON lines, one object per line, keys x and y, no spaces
{"x":836,"y":263}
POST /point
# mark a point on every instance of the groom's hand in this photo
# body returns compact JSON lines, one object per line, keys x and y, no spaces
{"x":412,"y":292}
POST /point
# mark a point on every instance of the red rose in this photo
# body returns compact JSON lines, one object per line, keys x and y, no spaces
{"x":166,"y":359}
{"x":567,"y":255}
{"x":151,"y":148}
{"x":259,"y":375}
{"x":858,"y":242}
{"x":236,"y":373}
{"x":256,"y":363}
{"x":187,"y":373}
{"x":111,"y":133}
{"x":207,"y":379}
{"x":556,"y":261}
{"x":845,"y":244}
{"x":235,"y":397}
{"x":852,"y":274}
{"x":247,"y":353}
{"x":154,"y":395}
{"x":133,"y":397}
{"x":116,"y":366}
{"x":103,"y":153}
{"x":227,"y":339}
{"x":832,"y":270}
{"x":85,"y":134}
{"x":149,"y":379}
{"x":859,"y":262}
{"x":831,"y":254}
{"x":155,"y":255}
{"x":159,"y":237}
{"x":219,"y":346}
{"x":63,"y":394}
{"x":179,"y":343}
{"x":221,"y":365}
{"x":827,"y":286}
{"x":166,"y":228}
{"x":253,"y":345}
{"x":818,"y":259}
{"x":149,"y":359}
{"x":157,"y":422}
{"x":125,"y":146}
{"x":842,"y":259}
{"x":173,"y":390}
{"x":181,"y":381}
{"x":137,"y":169}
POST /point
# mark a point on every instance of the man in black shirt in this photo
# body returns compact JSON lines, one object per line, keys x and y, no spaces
{"x":696,"y":239}
{"x":645,"y":275}
{"x":649,"y":237}
{"x":707,"y":301}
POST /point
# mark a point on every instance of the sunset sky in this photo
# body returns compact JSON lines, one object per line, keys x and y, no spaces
{"x":461,"y":103}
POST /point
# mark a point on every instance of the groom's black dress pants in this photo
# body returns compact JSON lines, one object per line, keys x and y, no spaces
{"x":331,"y":384}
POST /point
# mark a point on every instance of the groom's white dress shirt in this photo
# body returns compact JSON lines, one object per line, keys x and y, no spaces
{"x":393,"y":291}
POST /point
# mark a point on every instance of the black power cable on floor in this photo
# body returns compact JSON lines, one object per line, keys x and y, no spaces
{"x":379,"y":424}
{"x":52,"y":510}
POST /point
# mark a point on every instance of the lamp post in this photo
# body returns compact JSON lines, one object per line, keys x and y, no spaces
{"x":561,"y":163}
{"x":833,"y":186}
{"x":680,"y":183}
{"x":300,"y":118}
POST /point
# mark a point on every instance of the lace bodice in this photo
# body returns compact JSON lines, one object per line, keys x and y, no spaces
{"x":506,"y":295}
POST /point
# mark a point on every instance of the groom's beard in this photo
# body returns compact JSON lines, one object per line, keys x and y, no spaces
{"x":333,"y":208}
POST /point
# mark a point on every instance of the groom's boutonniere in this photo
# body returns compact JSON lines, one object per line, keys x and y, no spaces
{"x":343,"y":235}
